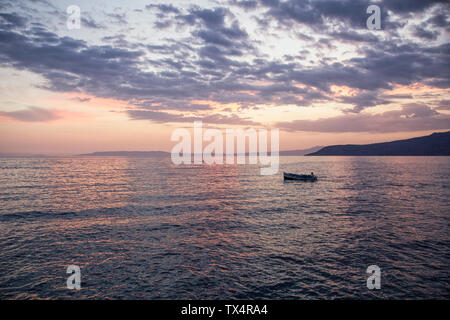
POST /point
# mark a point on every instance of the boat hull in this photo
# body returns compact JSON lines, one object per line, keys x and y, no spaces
{"x":299,"y":177}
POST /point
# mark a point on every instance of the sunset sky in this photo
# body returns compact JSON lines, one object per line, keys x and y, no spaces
{"x":137,"y":70}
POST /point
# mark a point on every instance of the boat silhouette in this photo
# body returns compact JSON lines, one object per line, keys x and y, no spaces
{"x":300,"y":177}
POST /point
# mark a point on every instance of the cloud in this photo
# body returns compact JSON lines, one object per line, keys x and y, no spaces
{"x":79,"y":99}
{"x":164,"y":117}
{"x":364,"y":100}
{"x":13,"y":20}
{"x":317,"y":13}
{"x":245,"y":4}
{"x":218,"y":59}
{"x":426,"y":34}
{"x":412,"y":117}
{"x":164,"y":8}
{"x":115,"y":72}
{"x":401,"y":6}
{"x":443,"y":105}
{"x":164,"y":15}
{"x":90,"y":23}
{"x":32,"y":114}
{"x":211,"y":17}
{"x":440,"y":20}
{"x":353,"y":36}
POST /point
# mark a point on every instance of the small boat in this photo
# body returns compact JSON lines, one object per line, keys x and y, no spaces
{"x":301,"y":177}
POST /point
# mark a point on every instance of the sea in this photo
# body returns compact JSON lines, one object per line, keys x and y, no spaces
{"x":143,"y":228}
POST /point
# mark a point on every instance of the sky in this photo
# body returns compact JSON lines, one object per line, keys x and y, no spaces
{"x":135,"y":71}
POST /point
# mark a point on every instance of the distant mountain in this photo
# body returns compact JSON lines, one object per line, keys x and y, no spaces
{"x":300,"y":152}
{"x":167,"y":154}
{"x":436,"y":144}
{"x":127,"y":154}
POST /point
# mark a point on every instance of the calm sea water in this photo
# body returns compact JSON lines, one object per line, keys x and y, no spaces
{"x":144,"y":228}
